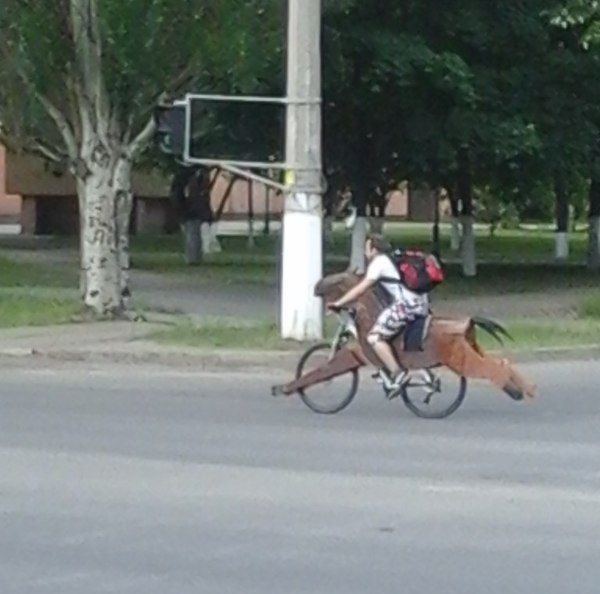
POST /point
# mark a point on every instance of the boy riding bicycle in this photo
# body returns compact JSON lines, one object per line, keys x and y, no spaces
{"x":404,"y":305}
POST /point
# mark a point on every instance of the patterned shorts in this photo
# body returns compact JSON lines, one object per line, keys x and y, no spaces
{"x":393,"y":319}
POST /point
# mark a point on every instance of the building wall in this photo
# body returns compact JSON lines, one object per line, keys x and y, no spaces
{"x":10,"y":204}
{"x":50,"y":205}
{"x":28,"y":175}
{"x":238,"y":201}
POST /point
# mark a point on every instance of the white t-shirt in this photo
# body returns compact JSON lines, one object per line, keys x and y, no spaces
{"x":381,"y":266}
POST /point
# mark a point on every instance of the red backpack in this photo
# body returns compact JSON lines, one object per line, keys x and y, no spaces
{"x":419,"y":272}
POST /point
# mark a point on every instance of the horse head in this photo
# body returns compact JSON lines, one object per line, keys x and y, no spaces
{"x":333,"y":286}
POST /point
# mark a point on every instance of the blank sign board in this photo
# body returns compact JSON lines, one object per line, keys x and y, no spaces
{"x":243,"y":130}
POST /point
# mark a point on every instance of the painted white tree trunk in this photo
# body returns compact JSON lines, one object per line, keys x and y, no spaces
{"x":206,"y":238}
{"x":123,"y":206}
{"x":209,"y":239}
{"x":82,"y":259}
{"x":100,"y":250}
{"x":359,"y":237}
{"x":302,"y":268}
{"x":469,"y":260}
{"x":455,"y":238}
{"x":594,"y":243}
{"x":215,"y":244}
{"x":561,"y":246}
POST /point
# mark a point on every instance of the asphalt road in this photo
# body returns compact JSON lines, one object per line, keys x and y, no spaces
{"x":149,"y":480}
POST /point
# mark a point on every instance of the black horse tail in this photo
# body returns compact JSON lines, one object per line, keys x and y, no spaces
{"x":492,"y":328}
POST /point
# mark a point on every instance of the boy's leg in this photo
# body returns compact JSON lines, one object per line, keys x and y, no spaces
{"x":389,"y":323}
{"x":386,"y":355}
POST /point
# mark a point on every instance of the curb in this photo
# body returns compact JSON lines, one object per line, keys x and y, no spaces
{"x":218,"y":361}
{"x":254,"y":361}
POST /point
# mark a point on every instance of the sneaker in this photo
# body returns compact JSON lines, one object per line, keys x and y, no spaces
{"x":380,"y":377}
{"x":398,"y":381}
{"x":394,"y":386}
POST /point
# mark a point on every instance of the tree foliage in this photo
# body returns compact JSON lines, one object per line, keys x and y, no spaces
{"x":409,"y":85}
{"x":582,"y":15}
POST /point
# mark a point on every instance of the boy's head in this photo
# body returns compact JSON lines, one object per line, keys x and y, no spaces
{"x":376,"y":245}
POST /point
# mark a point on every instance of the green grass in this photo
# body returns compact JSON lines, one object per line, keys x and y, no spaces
{"x":590,"y":307}
{"x":31,"y":308}
{"x":512,"y":262}
{"x":230,"y":333}
{"x":225,"y":334}
{"x":36,"y":295}
{"x":547,"y":333}
{"x":527,"y":334}
{"x":25,"y":274}
{"x":506,"y":246}
{"x":502,"y":279}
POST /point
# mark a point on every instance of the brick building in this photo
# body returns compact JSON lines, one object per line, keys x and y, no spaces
{"x":42,"y":199}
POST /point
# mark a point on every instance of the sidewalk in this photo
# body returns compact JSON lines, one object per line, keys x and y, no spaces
{"x":129,"y":342}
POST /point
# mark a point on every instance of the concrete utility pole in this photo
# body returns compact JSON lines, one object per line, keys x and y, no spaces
{"x":302,"y":266}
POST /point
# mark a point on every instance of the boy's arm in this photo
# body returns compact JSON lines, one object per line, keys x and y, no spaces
{"x":354,"y":293}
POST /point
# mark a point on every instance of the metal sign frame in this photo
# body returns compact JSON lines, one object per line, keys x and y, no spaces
{"x":240,"y":167}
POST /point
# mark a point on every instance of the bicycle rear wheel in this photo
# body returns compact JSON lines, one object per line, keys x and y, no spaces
{"x":329,"y":397}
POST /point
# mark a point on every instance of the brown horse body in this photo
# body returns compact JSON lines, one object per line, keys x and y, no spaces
{"x":449,"y":342}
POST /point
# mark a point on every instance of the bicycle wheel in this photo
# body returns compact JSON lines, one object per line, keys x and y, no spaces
{"x":434,"y":395}
{"x":329,"y":397}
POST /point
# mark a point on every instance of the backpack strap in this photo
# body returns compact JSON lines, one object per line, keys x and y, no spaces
{"x":389,"y":279}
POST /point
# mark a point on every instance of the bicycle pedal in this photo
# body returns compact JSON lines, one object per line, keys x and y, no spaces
{"x":392,"y":394}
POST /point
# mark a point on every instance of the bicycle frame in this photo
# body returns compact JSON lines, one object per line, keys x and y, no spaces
{"x":347,"y":325}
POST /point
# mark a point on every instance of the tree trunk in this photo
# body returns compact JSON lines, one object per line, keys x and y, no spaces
{"x":327,"y":229}
{"x":359,"y":237}
{"x":192,"y":253}
{"x":251,"y":242}
{"x":465,"y":194}
{"x":359,"y":229}
{"x":124,"y":204}
{"x":106,"y":188}
{"x":376,"y":223}
{"x":82,"y":260}
{"x":561,"y":251}
{"x":267,"y":227}
{"x":435,"y":238}
{"x":206,"y":238}
{"x":469,"y":258}
{"x":215,"y":244}
{"x":455,"y":239}
{"x":594,"y":225}
{"x":378,"y":204}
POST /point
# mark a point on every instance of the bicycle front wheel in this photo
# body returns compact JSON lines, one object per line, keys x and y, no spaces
{"x":331,"y":396}
{"x":434,"y":395}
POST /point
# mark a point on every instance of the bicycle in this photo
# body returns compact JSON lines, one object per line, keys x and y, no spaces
{"x":423,"y":391}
